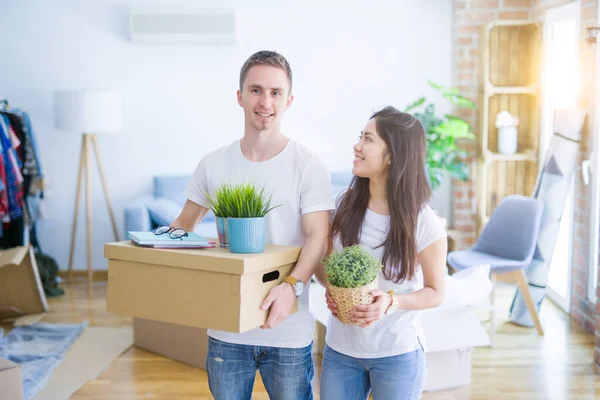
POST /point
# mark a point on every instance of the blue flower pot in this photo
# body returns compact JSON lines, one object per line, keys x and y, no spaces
{"x":247,"y":235}
{"x":222,"y":231}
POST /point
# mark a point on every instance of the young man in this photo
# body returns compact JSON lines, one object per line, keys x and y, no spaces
{"x":281,"y":349}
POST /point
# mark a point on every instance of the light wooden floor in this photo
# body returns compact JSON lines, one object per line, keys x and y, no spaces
{"x":521,"y":366}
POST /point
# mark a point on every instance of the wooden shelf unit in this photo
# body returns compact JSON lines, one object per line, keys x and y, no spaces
{"x":509,"y":81}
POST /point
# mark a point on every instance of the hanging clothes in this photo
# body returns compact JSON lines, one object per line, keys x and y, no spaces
{"x":14,"y":179}
{"x":21,"y":177}
{"x":33,"y":184}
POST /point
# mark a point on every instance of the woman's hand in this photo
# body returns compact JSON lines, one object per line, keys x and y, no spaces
{"x":366,"y":315}
{"x":330,"y":302}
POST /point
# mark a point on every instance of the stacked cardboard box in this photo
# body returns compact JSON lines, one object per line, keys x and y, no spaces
{"x":174,"y":295}
{"x":21,"y":297}
{"x":205,"y":288}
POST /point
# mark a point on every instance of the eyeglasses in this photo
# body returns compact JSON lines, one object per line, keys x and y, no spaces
{"x":174,"y":233}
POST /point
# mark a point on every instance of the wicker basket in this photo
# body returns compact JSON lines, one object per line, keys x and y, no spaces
{"x":346,"y":299}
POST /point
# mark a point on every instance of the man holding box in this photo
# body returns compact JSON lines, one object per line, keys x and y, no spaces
{"x":282,"y":349}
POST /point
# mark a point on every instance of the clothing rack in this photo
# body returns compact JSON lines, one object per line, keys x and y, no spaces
{"x":21,"y":178}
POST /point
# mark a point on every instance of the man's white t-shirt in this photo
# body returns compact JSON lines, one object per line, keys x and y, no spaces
{"x":300,"y":183}
{"x":396,"y":333}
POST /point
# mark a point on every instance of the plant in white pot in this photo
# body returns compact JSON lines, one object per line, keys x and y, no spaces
{"x":351,"y":275}
{"x":245,"y":207}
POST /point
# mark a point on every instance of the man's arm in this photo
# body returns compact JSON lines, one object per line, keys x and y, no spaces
{"x":320,"y":270}
{"x":316,"y":230}
{"x":281,"y":298}
{"x":190,"y":216}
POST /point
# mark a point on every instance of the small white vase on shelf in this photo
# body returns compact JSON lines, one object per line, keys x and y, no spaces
{"x":507,"y":140}
{"x":507,"y":133}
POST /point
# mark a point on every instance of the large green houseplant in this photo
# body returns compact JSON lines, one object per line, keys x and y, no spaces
{"x":443,"y":133}
{"x":240,"y":211}
{"x":351,"y":275}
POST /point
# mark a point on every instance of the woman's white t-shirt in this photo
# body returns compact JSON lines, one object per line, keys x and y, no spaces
{"x":396,"y":333}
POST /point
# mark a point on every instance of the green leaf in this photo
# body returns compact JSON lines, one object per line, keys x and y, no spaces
{"x":459,"y":100}
{"x":459,"y":170}
{"x":453,"y":128}
{"x":443,"y":89}
{"x":240,"y":201}
{"x":442,"y":133}
{"x":454,"y":117}
{"x":415,"y":104}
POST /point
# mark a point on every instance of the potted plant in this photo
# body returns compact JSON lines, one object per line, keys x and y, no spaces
{"x":245,"y":208}
{"x":218,"y":206}
{"x":443,"y":133}
{"x":351,"y":275}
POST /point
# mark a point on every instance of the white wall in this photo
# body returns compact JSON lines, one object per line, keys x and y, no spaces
{"x":179,"y":101}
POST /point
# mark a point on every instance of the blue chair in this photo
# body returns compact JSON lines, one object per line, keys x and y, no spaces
{"x":507,"y":245}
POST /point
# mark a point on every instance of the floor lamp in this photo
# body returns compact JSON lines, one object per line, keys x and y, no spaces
{"x":89,"y":112}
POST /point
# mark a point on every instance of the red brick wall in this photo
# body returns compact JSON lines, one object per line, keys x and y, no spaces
{"x":468,"y":17}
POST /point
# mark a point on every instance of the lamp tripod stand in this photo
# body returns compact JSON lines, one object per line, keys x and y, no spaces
{"x":88,"y":140}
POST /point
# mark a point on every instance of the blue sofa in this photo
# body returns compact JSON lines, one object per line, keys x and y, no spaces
{"x":166,"y":201}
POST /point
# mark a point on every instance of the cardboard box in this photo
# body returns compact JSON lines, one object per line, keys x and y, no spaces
{"x":208,"y":288}
{"x":318,"y":308}
{"x":21,"y":291}
{"x":11,"y":381}
{"x":449,"y":337}
{"x":448,"y":369}
{"x":185,"y":344}
{"x":319,"y":338}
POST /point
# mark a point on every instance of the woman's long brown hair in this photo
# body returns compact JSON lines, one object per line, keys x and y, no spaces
{"x":407,"y":190}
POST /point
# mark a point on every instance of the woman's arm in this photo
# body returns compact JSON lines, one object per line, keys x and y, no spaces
{"x":433,"y":264}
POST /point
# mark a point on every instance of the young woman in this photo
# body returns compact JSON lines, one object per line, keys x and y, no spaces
{"x":385,"y":210}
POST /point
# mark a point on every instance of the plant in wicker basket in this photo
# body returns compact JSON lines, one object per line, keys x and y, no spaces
{"x":351,"y":276}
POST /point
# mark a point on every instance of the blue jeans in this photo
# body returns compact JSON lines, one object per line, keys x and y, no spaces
{"x":286,"y":373}
{"x":398,"y":377}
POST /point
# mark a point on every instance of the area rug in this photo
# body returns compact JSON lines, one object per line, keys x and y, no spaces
{"x":39,"y":349}
{"x":91,"y":354}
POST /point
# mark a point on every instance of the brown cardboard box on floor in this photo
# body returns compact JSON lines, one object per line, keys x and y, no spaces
{"x":185,"y":344}
{"x":21,"y":291}
{"x":207,"y":288}
{"x":11,"y":380}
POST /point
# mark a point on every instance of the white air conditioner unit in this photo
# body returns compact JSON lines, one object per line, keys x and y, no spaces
{"x":185,"y":25}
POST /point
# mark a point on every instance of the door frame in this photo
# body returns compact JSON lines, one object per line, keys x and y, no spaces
{"x":555,"y":14}
{"x":595,"y":188}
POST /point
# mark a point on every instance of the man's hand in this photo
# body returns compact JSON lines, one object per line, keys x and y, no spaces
{"x":280,"y":299}
{"x":367,"y":315}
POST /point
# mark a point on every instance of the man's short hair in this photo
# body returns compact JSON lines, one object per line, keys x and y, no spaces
{"x":266,"y":57}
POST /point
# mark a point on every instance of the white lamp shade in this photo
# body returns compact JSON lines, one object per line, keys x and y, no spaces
{"x":88,"y":111}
